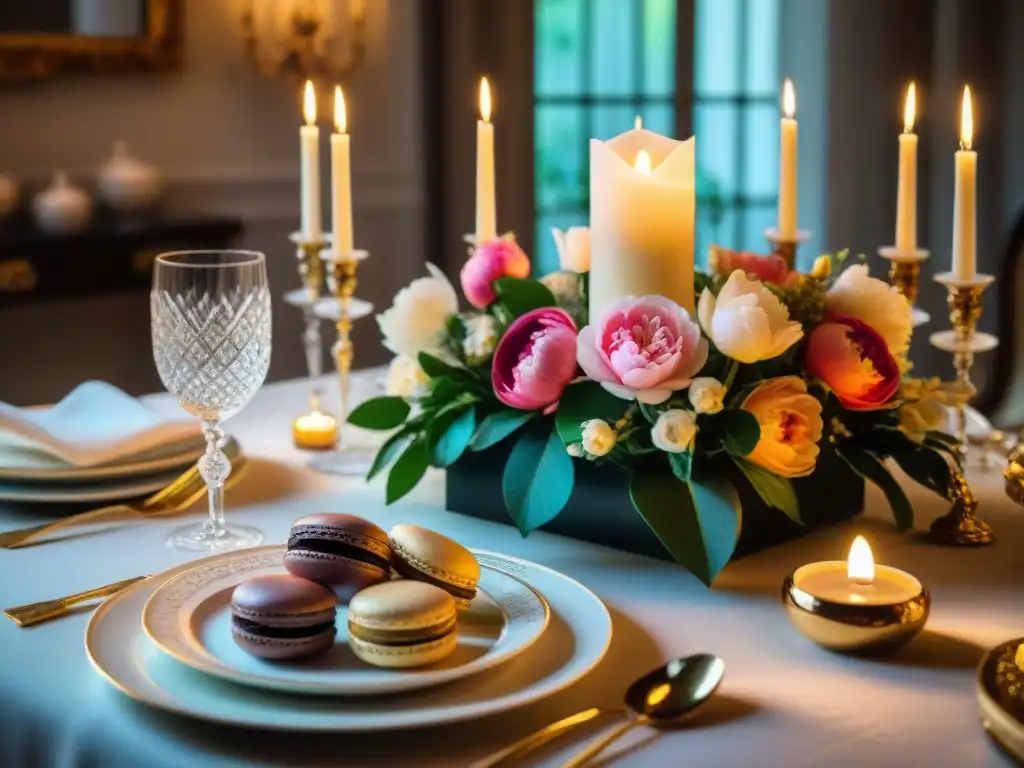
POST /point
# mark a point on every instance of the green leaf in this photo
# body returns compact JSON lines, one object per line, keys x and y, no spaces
{"x":682,"y":465}
{"x":497,"y":427}
{"x":394,"y":445}
{"x":380,"y":413}
{"x":447,"y":447}
{"x":407,"y":471}
{"x":538,"y":478}
{"x":435,"y":367}
{"x":774,"y":491}
{"x":870,"y":468}
{"x":650,"y":412}
{"x":520,"y":295}
{"x":698,"y":523}
{"x":741,"y":431}
{"x":926,"y":467}
{"x":582,"y":402}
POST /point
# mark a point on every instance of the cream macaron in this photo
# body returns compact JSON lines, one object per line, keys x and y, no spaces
{"x":425,"y":555}
{"x":402,"y":624}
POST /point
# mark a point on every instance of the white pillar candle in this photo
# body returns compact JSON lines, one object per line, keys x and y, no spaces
{"x":486,"y":216}
{"x":641,"y":218}
{"x":964,"y":198}
{"x":309,"y":144}
{"x":906,"y":196}
{"x":341,"y":178}
{"x":786,"y":226}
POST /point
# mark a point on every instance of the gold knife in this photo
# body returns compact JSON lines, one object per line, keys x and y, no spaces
{"x":37,"y":613}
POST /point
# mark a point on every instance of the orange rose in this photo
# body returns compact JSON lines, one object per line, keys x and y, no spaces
{"x":854,"y":361}
{"x":791,"y":426}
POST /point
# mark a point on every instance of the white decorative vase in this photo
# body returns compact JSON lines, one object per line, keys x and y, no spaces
{"x":62,"y":208}
{"x":10,"y":196}
{"x":127,"y":184}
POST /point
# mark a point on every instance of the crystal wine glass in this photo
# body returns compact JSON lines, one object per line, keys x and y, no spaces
{"x":211,"y":342}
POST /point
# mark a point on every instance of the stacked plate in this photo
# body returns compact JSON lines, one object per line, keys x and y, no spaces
{"x":167,"y":642}
{"x":98,"y":444}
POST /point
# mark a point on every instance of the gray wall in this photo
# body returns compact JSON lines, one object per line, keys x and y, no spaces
{"x":227,"y":140}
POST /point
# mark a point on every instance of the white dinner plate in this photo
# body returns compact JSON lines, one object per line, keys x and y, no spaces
{"x":86,"y":492}
{"x":21,"y":465}
{"x":576,"y":639}
{"x":189,"y":618}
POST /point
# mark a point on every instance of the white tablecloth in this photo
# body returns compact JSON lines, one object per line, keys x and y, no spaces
{"x":784,"y":702}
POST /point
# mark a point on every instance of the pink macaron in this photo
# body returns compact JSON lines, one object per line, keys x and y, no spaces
{"x":344,"y":553}
{"x":281,"y":617}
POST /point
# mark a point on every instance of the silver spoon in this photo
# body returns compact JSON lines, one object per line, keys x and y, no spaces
{"x":661,"y":697}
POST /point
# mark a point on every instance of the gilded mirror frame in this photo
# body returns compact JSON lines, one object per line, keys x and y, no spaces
{"x":36,"y":56}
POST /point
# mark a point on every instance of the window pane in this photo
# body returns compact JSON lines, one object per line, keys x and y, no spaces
{"x":715,"y":224}
{"x":659,"y":47}
{"x":558,"y":39}
{"x":613,"y":39}
{"x":716,"y":69}
{"x":761,"y":142}
{"x":756,"y":219}
{"x":660,"y":118}
{"x":715,"y":126}
{"x":561,"y":154}
{"x":611,"y":121}
{"x":762,"y":47}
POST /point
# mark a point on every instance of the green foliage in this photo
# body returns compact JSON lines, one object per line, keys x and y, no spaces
{"x":681,"y":465}
{"x":497,"y":426}
{"x":407,"y":471}
{"x":521,"y":295}
{"x":582,"y":402}
{"x":871,"y":468}
{"x":735,"y":431}
{"x":538,"y":477}
{"x":380,"y":413}
{"x":390,"y":449}
{"x":449,"y":436}
{"x":774,"y":491}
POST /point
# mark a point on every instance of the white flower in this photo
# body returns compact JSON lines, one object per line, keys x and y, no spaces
{"x":675,"y":431}
{"x":575,"y":450}
{"x":875,"y":302}
{"x":746,"y":321}
{"x":564,"y":285}
{"x":573,"y":248}
{"x":598,"y":437}
{"x":406,"y":379}
{"x":706,"y":394}
{"x":481,"y":338}
{"x":416,"y":320}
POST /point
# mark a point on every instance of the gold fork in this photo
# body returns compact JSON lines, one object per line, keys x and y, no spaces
{"x":36,"y":613}
{"x":180,"y":494}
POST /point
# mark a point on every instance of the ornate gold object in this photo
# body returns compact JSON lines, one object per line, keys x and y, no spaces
{"x":1000,"y":688}
{"x":786,"y":247}
{"x":37,"y":613}
{"x":17,"y":275}
{"x":1014,"y":475}
{"x":29,"y":56}
{"x":341,"y":280}
{"x":904,"y":274}
{"x":865,"y":630}
{"x":959,"y":526}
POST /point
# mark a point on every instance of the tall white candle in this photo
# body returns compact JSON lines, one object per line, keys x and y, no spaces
{"x":641,"y":218}
{"x":906,"y":196}
{"x":964,"y":198}
{"x":486,"y":216}
{"x":309,"y":144}
{"x":786,"y":227}
{"x":341,"y":178}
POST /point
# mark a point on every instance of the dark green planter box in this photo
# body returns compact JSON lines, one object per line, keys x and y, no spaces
{"x":601,"y":512}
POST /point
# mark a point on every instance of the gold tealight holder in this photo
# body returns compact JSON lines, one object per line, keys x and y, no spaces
{"x":1000,"y":688}
{"x":867,"y":616}
{"x":786,"y":246}
{"x":904,"y":274}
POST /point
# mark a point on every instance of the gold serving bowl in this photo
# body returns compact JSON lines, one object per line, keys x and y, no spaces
{"x":1001,"y":696}
{"x":865,"y":630}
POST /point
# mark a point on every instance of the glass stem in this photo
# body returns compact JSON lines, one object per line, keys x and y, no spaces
{"x":215,"y":467}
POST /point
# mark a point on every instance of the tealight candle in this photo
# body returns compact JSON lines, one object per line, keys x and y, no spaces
{"x":854,"y":606}
{"x":315,"y":431}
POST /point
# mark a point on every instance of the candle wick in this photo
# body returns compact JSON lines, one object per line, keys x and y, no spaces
{"x":860,"y":582}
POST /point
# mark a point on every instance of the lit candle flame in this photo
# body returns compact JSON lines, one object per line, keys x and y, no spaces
{"x":643,"y":162}
{"x":485,"y":100}
{"x":340,"y":114}
{"x":788,"y":99}
{"x":910,"y":109}
{"x":638,"y":123}
{"x":966,"y":120}
{"x":309,"y":104}
{"x":860,"y":566}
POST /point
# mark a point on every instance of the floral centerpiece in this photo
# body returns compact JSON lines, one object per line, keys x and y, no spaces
{"x":774,"y":365}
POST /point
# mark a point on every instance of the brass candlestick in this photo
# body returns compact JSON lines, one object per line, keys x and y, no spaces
{"x":786,"y":247}
{"x":904,"y":273}
{"x":341,"y":280}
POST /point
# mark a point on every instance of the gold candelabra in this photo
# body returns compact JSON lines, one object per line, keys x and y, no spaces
{"x":786,"y":247}
{"x":904,"y":274}
{"x":341,"y":281}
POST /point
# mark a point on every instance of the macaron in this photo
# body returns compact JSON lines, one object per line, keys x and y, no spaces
{"x":425,"y":555}
{"x":402,"y":624}
{"x":345,"y":553}
{"x":279,"y":617}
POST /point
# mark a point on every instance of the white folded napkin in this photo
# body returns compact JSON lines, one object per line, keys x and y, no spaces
{"x":96,"y":423}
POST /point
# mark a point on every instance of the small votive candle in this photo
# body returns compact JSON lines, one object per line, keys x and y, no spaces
{"x":856,"y":606}
{"x":315,"y":431}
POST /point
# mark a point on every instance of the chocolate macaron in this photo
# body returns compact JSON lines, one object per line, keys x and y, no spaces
{"x":281,"y":617}
{"x":402,"y":624}
{"x":425,"y":555}
{"x":345,"y":553}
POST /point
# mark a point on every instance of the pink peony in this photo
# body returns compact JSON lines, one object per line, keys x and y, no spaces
{"x":535,"y":360}
{"x":490,"y":261}
{"x":644,"y":348}
{"x":771,"y":268}
{"x":852,"y":358}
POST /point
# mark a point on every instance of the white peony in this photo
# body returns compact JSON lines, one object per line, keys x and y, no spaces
{"x":675,"y":431}
{"x":746,"y":321}
{"x":876,"y":303}
{"x":573,"y":248}
{"x":406,"y":379}
{"x":481,"y":338}
{"x":416,"y":320}
{"x":598,"y":437}
{"x":706,"y":394}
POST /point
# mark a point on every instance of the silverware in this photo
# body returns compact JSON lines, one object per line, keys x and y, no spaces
{"x":36,"y":613}
{"x":660,"y":697}
{"x":179,"y":495}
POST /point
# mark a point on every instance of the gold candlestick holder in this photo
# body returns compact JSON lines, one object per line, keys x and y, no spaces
{"x":904,"y":273}
{"x":786,"y":247}
{"x":959,"y":526}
